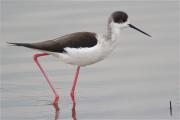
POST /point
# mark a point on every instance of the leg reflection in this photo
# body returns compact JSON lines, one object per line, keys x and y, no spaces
{"x":57,"y":111}
{"x":74,"y":108}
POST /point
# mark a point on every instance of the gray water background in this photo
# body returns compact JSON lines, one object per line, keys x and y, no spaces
{"x":136,"y":81}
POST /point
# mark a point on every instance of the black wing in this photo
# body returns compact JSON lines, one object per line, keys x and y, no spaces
{"x":73,"y":40}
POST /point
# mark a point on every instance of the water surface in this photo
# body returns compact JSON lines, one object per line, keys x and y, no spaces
{"x":136,"y":81}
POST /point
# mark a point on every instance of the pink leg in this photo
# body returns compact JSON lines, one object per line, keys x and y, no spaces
{"x":74,"y":82}
{"x":43,"y":72}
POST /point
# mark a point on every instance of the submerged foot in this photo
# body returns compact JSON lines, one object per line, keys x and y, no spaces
{"x":72,"y":96}
{"x":55,"y":102}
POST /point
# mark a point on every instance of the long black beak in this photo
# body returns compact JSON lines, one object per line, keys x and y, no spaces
{"x":132,"y":26}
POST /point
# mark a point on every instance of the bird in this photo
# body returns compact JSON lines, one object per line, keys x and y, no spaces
{"x":81,"y":48}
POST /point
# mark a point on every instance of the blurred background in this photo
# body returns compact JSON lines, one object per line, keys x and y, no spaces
{"x":137,"y":81}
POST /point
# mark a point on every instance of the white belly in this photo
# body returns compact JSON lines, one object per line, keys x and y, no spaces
{"x":84,"y":56}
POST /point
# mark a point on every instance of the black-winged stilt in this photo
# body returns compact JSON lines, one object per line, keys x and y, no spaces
{"x":82,"y":48}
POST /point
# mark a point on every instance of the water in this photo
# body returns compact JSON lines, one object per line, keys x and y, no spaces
{"x":137,"y":81}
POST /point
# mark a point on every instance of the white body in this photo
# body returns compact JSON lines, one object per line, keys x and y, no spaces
{"x":91,"y":55}
{"x":87,"y":56}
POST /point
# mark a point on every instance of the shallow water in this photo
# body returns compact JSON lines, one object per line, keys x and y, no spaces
{"x":137,"y":81}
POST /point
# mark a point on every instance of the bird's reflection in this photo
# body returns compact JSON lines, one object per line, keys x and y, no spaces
{"x":57,"y":110}
{"x":74,"y":108}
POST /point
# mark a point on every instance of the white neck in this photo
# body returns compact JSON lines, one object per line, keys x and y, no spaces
{"x":113,"y":33}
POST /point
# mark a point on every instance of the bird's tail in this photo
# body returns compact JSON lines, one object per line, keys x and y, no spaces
{"x":21,"y":44}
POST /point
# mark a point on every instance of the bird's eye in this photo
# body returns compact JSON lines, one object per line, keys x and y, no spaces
{"x":124,"y":20}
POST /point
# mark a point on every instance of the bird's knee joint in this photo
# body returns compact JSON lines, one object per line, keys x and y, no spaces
{"x":35,"y":57}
